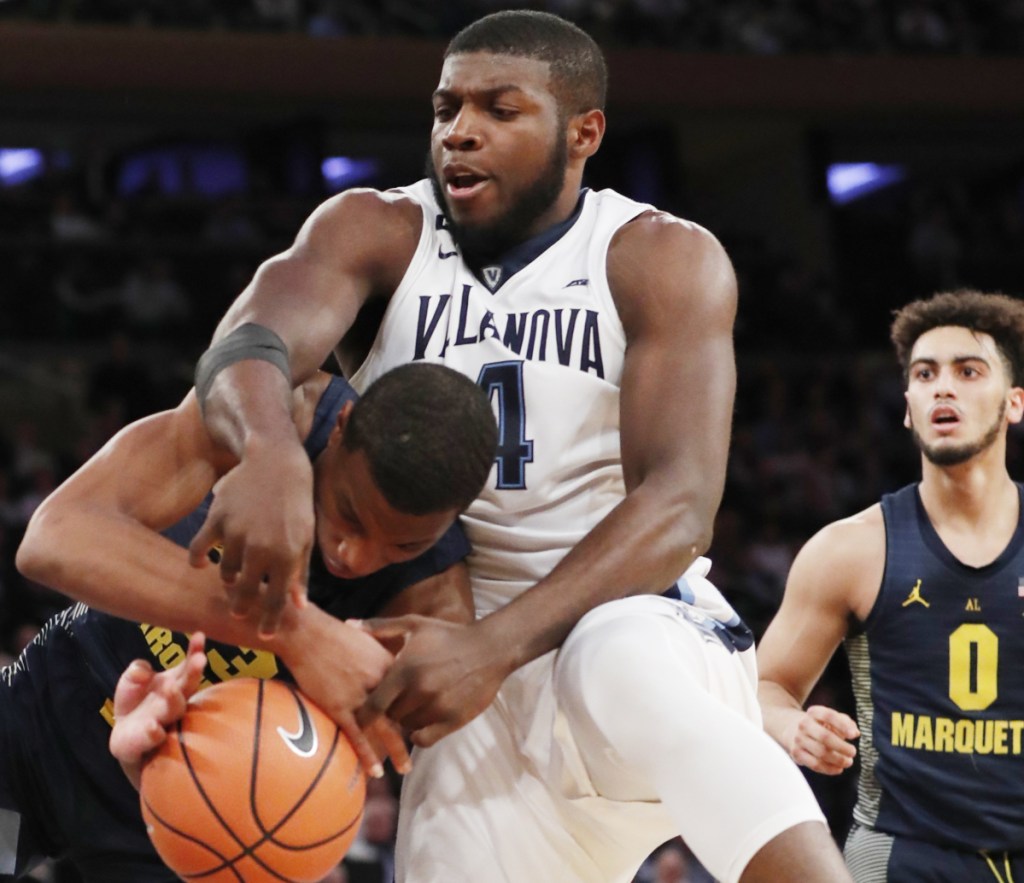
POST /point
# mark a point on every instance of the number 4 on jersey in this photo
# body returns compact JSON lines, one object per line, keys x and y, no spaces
{"x":515,"y":450}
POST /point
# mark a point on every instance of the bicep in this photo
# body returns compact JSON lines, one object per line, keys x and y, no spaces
{"x":153,"y":471}
{"x":677,"y":298}
{"x":352,"y":247}
{"x":812,"y":620}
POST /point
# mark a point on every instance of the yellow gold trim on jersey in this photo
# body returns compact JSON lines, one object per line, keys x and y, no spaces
{"x":995,"y":871}
{"x":169,"y":648}
{"x":923,"y":732}
{"x":107,"y":712}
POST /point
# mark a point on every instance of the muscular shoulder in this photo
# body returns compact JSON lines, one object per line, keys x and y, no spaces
{"x":372,"y":232}
{"x":659,"y":264}
{"x":846,"y":559}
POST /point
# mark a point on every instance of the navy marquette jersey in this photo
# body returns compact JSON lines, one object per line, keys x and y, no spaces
{"x":61,"y":792}
{"x":937,"y":674}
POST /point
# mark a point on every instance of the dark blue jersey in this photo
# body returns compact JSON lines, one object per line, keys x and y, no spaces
{"x":61,"y":792}
{"x":940,"y":694}
{"x":109,"y":643}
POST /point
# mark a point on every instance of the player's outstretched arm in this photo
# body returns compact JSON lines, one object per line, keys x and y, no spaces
{"x":828,"y":585}
{"x":147,"y":704}
{"x":96,"y":540}
{"x":676,"y":294}
{"x":354,"y":247}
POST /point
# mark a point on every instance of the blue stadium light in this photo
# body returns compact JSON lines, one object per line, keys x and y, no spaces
{"x":343,"y":171}
{"x":20,"y":164}
{"x":850,"y":181}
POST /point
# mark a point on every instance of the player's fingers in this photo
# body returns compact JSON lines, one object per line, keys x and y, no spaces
{"x":839,"y":747}
{"x":432,"y":734}
{"x":823,"y":751}
{"x":816,"y":763}
{"x":389,"y":738}
{"x":194,"y":665}
{"x":205,"y":539}
{"x":233,"y":557}
{"x":395,"y":627}
{"x":270,"y":619}
{"x":383,"y":700}
{"x":364,"y":750}
{"x":243,"y":587}
{"x":299,"y":586}
{"x":132,"y":686}
{"x":836,"y":721}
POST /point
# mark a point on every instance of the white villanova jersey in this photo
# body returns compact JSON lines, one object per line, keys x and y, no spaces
{"x":542,"y":336}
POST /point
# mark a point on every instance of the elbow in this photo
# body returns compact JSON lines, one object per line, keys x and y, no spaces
{"x":37,"y":558}
{"x":692,"y":528}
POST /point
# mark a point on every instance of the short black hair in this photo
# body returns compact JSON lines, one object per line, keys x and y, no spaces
{"x":429,"y":436}
{"x":998,"y":315}
{"x":579,"y":75}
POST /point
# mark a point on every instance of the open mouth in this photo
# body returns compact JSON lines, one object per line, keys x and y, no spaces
{"x":460,"y":184}
{"x":336,"y":568}
{"x":944,"y":417}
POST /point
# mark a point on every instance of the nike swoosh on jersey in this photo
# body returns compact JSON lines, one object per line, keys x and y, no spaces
{"x":444,"y":255}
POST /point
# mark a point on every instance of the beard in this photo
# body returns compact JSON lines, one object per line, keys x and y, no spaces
{"x":955,"y":455}
{"x":482,"y":244}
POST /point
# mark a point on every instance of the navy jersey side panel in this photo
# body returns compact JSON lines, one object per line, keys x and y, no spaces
{"x":946,"y":650}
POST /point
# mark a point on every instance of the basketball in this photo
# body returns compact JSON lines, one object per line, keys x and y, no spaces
{"x":254,"y":784}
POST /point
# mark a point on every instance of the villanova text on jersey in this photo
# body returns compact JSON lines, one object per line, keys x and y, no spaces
{"x":540,"y":332}
{"x":571,"y":335}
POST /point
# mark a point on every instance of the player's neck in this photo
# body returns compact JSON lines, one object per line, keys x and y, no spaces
{"x":305,"y":399}
{"x":973,"y":492}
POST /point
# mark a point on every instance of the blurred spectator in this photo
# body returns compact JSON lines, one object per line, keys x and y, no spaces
{"x":764,"y":27}
{"x":935,"y":249}
{"x":69,"y":223}
{"x":122,"y":381}
{"x":921,"y":27}
{"x":87,"y":306}
{"x":28,"y":455}
{"x":285,"y":15}
{"x":152,"y":301}
{"x":230,"y":224}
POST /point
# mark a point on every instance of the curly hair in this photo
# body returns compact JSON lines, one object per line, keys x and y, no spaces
{"x":998,"y":315}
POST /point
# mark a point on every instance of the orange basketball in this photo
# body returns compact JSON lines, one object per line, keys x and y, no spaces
{"x":254,"y":784}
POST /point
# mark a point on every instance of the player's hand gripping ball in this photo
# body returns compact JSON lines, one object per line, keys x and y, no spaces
{"x":254,"y":784}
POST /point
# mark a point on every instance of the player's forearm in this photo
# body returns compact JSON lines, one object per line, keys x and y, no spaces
{"x":116,"y":565}
{"x":249,"y":408}
{"x":642,"y":546}
{"x":780,"y":711}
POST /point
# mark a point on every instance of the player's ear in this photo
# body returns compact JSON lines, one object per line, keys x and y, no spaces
{"x":907,"y":423}
{"x":586,"y":130}
{"x":341,"y":421}
{"x":1015,"y":405}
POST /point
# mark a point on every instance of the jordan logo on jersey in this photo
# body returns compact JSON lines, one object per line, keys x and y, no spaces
{"x":915,"y":595}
